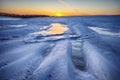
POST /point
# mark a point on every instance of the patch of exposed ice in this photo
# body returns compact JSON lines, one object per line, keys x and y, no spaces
{"x":44,"y":27}
{"x":104,"y":31}
{"x":55,"y":31}
{"x":55,"y":28}
{"x":18,"y":25}
{"x":36,"y":38}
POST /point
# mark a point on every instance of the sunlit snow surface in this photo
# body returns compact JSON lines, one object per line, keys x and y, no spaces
{"x":64,"y":48}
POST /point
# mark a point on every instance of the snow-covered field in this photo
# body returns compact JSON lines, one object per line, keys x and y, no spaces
{"x":60,"y":48}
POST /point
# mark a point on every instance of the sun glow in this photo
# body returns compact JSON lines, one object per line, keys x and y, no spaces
{"x":58,"y":14}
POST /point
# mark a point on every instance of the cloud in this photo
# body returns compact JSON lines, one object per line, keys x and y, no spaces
{"x":63,"y":2}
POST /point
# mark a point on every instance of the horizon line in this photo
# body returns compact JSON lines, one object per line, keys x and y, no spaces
{"x":13,"y":14}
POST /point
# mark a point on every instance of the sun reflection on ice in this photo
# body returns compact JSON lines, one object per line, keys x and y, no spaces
{"x":55,"y":28}
{"x":53,"y":32}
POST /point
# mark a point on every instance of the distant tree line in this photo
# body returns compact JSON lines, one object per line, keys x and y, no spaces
{"x":21,"y":15}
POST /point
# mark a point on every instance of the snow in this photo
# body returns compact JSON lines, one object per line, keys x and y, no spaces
{"x":8,"y":18}
{"x":98,"y":64}
{"x":64,"y":48}
{"x":56,"y":62}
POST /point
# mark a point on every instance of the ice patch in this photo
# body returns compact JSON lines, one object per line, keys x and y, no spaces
{"x":44,"y":27}
{"x":34,"y":38}
{"x":55,"y":28}
{"x":55,"y":31}
{"x":19,"y":25}
{"x":104,"y":31}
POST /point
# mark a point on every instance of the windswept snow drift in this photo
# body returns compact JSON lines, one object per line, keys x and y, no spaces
{"x":58,"y":61}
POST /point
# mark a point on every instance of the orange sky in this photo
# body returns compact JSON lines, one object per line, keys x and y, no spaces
{"x":63,"y":7}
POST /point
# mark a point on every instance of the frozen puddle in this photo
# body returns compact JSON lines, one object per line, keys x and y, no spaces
{"x":54,"y":31}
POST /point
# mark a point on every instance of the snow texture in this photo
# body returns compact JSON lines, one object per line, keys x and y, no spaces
{"x":64,"y":48}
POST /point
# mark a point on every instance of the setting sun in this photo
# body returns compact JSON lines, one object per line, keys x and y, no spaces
{"x":59,"y":14}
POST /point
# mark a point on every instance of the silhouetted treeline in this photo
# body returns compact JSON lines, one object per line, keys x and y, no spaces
{"x":22,"y":16}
